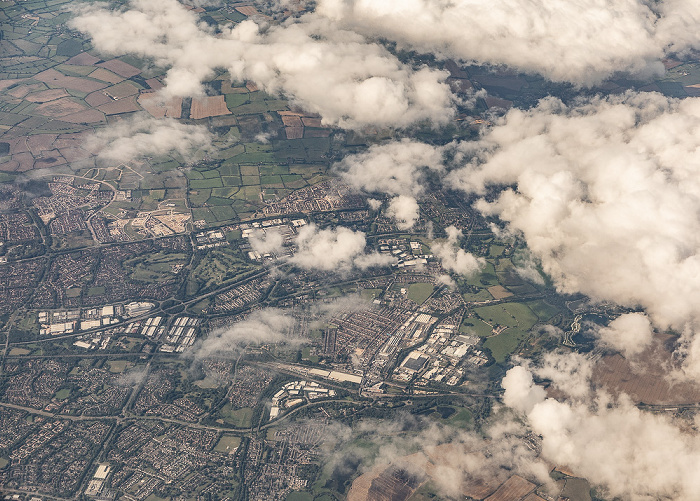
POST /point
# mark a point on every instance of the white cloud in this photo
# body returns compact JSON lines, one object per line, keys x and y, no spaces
{"x":373,"y":260}
{"x":569,"y":372}
{"x":522,"y":394}
{"x":633,"y":454}
{"x":447,"y":280}
{"x":526,"y":267}
{"x":607,"y":196}
{"x":266,"y":241}
{"x":374,"y":204}
{"x":327,"y":70}
{"x":395,"y":168}
{"x":260,"y":327}
{"x":338,"y":249}
{"x":133,"y":377}
{"x":453,"y":258}
{"x":630,"y":334}
{"x":404,"y":210}
{"x":426,"y":449}
{"x":143,"y":135}
{"x":578,"y":42}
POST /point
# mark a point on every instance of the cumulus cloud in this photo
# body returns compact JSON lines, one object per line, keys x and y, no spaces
{"x":373,"y":260}
{"x":569,"y":372}
{"x":522,"y":394}
{"x":630,"y":334}
{"x":374,"y":204}
{"x":144,"y":135}
{"x":526,"y":267}
{"x":395,"y":168}
{"x":331,"y":249}
{"x":447,"y":280}
{"x":269,"y":326}
{"x":453,"y":258}
{"x":266,"y":241}
{"x":328,"y":308}
{"x":677,"y":25}
{"x":263,"y":326}
{"x":337,"y":73}
{"x":404,"y":210}
{"x":338,"y":249}
{"x":633,"y":454}
{"x":607,"y":194}
{"x":578,"y":42}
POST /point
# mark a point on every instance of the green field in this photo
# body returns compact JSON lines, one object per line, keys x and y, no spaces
{"x":223,"y":212}
{"x":240,"y":418}
{"x":203,"y":214}
{"x":486,"y":278}
{"x":249,"y":170}
{"x":193,"y":174}
{"x":504,"y":344}
{"x":306,"y":355}
{"x":28,"y":323}
{"x":225,"y":192}
{"x":517,"y":317}
{"x":96,"y":291}
{"x":419,"y":292}
{"x":542,"y":309}
{"x":463,"y":417}
{"x":227,"y":443}
{"x":207,"y":383}
{"x":370,"y":294}
{"x":482,"y":295}
{"x":272,"y":170}
{"x":300,"y":496}
{"x":231,"y":180}
{"x":118,"y":366}
{"x":274,"y":181}
{"x":475,"y":327}
{"x":508,"y":314}
{"x":496,"y":315}
{"x":197,"y":184}
{"x":62,"y":394}
{"x":154,"y":267}
{"x":250,"y":194}
{"x":496,"y":250}
{"x":235,"y":100}
{"x":250,"y":180}
{"x":218,"y":266}
{"x":233,"y":236}
{"x":210,"y":174}
{"x":6,"y":178}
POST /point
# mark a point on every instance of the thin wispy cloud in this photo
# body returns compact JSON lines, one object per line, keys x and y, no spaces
{"x":143,"y":135}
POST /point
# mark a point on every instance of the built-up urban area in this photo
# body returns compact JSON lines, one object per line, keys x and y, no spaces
{"x":164,"y":332}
